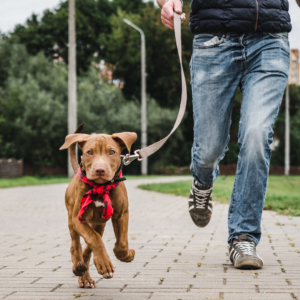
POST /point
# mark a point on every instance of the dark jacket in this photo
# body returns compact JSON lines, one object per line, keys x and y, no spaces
{"x":242,"y":16}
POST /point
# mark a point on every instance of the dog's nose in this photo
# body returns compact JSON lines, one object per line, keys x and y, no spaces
{"x":100,"y":171}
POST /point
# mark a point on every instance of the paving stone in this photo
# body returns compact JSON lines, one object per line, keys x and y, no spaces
{"x":174,"y":259}
{"x":258,"y":296}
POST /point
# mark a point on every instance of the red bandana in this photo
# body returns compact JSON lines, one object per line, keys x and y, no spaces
{"x":96,"y":191}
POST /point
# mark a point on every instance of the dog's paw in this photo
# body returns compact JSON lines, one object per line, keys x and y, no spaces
{"x":125,"y":256}
{"x":130,"y":256}
{"x":104,"y":267}
{"x":86,"y":282}
{"x":79,"y":269}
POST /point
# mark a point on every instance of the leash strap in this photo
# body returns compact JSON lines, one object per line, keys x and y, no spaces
{"x":145,"y":152}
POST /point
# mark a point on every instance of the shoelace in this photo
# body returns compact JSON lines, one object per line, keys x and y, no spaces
{"x":246,"y":247}
{"x":201,"y":197}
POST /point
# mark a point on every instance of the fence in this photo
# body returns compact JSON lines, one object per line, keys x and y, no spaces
{"x":10,"y":168}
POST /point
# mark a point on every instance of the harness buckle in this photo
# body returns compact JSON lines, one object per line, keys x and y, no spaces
{"x":128,"y":159}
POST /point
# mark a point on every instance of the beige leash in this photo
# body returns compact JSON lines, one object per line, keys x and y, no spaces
{"x":145,"y":152}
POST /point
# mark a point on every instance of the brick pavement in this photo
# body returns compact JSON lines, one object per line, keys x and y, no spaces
{"x":174,"y":259}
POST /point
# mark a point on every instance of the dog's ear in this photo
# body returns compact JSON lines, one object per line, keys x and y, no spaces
{"x":75,"y":138}
{"x":71,"y":139}
{"x":125,"y":139}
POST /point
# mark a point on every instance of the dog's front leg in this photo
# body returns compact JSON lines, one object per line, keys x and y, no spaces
{"x":120,"y":224}
{"x":79,"y":267}
{"x":86,"y":281}
{"x":95,"y":243}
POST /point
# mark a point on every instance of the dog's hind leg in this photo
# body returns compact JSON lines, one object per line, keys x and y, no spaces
{"x":79,"y":267}
{"x":86,"y":281}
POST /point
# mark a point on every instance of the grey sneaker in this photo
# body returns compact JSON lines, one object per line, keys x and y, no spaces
{"x":243,"y":254}
{"x":200,"y":204}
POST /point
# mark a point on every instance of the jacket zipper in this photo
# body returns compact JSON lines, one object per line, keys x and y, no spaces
{"x":256,"y":15}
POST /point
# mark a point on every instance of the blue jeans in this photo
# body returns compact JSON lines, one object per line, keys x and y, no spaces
{"x":259,"y":64}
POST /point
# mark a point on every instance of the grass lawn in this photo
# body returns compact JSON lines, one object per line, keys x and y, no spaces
{"x":35,"y":180}
{"x":32,"y":180}
{"x":283,"y":194}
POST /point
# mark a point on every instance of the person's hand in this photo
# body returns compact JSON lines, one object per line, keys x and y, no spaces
{"x":167,"y":12}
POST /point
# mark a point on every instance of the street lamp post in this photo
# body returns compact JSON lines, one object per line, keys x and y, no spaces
{"x":287,"y":132}
{"x":144,"y":163}
{"x":72,"y":102}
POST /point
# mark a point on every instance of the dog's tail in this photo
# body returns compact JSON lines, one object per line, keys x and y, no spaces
{"x":70,"y":143}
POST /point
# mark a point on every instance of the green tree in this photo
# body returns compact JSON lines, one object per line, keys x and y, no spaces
{"x":4,"y":54}
{"x":132,"y":6}
{"x":100,"y":29}
{"x":33,"y":110}
{"x":122,"y":49}
{"x":279,"y":130}
{"x":50,"y":34}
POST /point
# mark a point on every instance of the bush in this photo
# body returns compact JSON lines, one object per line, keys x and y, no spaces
{"x":33,"y":113}
{"x":33,"y":110}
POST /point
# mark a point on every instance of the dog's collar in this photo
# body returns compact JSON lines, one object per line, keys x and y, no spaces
{"x":115,"y":179}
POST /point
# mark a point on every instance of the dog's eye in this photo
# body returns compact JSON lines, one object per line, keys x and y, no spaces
{"x":90,"y":152}
{"x":111,"y":152}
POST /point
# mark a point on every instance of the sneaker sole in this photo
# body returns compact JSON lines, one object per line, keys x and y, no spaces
{"x":249,"y":263}
{"x":199,"y":223}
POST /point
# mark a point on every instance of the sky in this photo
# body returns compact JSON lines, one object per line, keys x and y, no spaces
{"x":13,"y":12}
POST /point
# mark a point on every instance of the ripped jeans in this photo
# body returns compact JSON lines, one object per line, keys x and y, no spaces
{"x":259,"y":64}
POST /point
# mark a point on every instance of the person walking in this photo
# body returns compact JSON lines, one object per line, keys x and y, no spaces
{"x":242,"y":44}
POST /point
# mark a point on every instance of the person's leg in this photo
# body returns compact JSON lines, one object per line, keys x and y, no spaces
{"x":214,"y":79}
{"x":263,"y":86}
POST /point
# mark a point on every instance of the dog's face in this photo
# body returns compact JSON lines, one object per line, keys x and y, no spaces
{"x":101,"y":153}
{"x":101,"y":157}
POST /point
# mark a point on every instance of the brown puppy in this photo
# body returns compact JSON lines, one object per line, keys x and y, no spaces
{"x":100,"y":162}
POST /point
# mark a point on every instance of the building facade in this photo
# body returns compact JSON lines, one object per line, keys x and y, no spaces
{"x":294,"y":67}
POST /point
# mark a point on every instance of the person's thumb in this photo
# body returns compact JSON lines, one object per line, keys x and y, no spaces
{"x":177,"y":6}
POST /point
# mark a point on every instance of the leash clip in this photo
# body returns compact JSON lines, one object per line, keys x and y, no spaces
{"x":128,"y":159}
